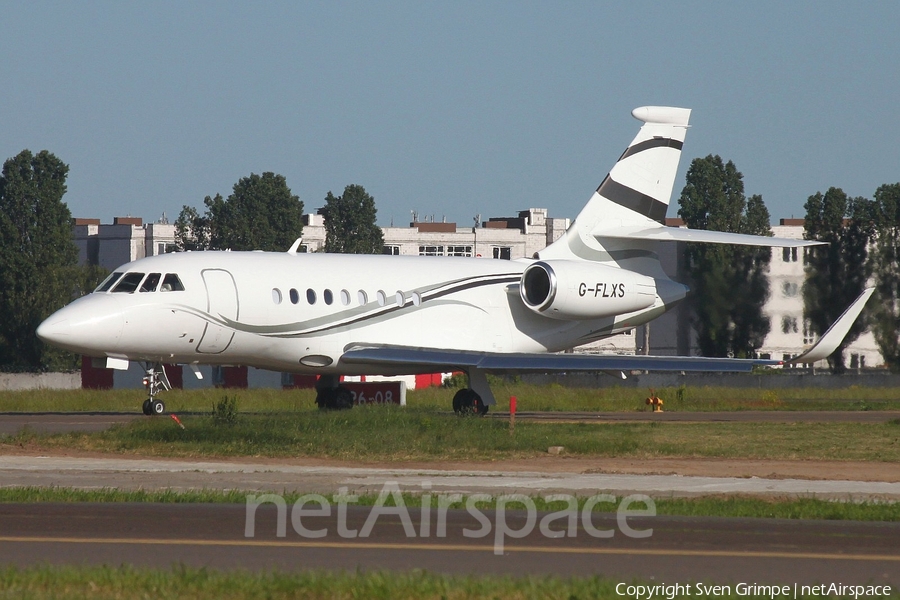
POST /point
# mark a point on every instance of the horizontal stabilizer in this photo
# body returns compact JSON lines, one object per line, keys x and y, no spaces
{"x":832,"y":338}
{"x":703,"y":236}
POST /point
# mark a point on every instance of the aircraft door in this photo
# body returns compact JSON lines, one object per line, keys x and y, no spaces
{"x":222,"y":301}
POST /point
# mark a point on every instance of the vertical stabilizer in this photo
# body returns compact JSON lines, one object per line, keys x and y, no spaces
{"x":637,"y":190}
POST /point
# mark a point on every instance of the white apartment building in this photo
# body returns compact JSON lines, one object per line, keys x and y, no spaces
{"x":128,"y":238}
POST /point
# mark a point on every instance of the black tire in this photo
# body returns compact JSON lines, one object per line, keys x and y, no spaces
{"x":467,"y":402}
{"x":339,"y":398}
{"x":146,"y":407}
{"x":343,"y":399}
{"x":158,"y":407}
{"x":325,"y":398}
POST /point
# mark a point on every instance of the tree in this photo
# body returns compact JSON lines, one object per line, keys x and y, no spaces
{"x":885,"y":267}
{"x":837,"y":273}
{"x":729,"y":283}
{"x":191,"y":230}
{"x":350,"y":226}
{"x":38,"y":256}
{"x":260,"y":214}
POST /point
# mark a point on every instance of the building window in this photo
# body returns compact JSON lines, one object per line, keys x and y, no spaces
{"x":789,"y":254}
{"x":391,"y":250}
{"x":431,"y":250}
{"x":808,"y":336}
{"x":503,"y":252}
{"x":789,"y":325}
{"x":789,"y":289}
{"x":459,"y":250}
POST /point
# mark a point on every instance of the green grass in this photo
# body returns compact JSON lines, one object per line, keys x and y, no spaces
{"x":124,"y":583}
{"x":530,"y":398}
{"x":710,"y":506}
{"x":400,"y":434}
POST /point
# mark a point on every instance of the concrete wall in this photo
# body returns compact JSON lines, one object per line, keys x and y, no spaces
{"x":36,"y":381}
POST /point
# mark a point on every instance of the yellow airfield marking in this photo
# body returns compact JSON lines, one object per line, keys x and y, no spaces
{"x":446,"y":547}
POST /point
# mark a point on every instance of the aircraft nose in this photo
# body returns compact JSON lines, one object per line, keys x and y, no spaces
{"x":91,"y":325}
{"x":54,"y":330}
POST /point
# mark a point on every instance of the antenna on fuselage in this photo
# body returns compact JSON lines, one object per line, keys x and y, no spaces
{"x":295,"y":246}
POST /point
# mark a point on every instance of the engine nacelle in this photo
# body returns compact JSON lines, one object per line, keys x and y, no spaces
{"x":574,"y":290}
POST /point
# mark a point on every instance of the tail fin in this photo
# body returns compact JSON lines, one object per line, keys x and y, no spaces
{"x":637,"y":190}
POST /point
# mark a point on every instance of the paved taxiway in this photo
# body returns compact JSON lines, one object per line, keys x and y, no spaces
{"x":181,"y":475}
{"x":679,"y":549}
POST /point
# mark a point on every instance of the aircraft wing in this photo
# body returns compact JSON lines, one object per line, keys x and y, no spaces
{"x":436,"y":359}
{"x":430,"y":359}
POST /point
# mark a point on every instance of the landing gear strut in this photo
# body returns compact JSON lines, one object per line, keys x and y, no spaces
{"x":331,"y":396}
{"x":155,"y":381}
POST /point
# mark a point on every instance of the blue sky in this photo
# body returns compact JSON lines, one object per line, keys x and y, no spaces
{"x":450,"y":108}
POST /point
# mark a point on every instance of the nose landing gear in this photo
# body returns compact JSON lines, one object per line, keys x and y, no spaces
{"x":155,"y":381}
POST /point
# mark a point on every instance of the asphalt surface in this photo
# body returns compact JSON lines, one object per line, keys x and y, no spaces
{"x":678,"y":549}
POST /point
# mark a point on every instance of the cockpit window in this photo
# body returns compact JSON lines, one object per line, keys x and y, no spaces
{"x":171,"y":283}
{"x":151,"y":282}
{"x":108,"y":282}
{"x":128,"y":284}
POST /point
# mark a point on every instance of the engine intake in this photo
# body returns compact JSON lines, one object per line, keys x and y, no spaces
{"x":575,"y":290}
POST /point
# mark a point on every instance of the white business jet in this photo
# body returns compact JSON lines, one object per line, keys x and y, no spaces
{"x":341,"y":314}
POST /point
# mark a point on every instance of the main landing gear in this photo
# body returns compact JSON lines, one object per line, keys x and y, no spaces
{"x":332,"y":396}
{"x":155,"y":381}
{"x":468,"y":402}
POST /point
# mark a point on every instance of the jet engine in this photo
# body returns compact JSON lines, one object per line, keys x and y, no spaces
{"x":574,"y":290}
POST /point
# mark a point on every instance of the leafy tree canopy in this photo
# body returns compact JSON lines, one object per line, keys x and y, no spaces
{"x":836,"y":274}
{"x":729,"y":284}
{"x":350,"y":223}
{"x":260,"y":214}
{"x":38,"y":256}
{"x":884,"y":262}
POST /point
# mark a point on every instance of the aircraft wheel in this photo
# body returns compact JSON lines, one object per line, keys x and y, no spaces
{"x":147,"y":408}
{"x":467,"y":402}
{"x":157,"y":407}
{"x":343,"y":399}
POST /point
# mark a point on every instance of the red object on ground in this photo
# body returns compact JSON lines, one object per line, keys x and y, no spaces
{"x":93,"y":378}
{"x":512,"y":405}
{"x":177,"y":420}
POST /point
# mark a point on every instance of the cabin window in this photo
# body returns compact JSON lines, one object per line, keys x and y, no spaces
{"x":401,"y":299}
{"x":345,"y":297}
{"x":327,"y":297}
{"x":108,"y":282}
{"x":129,"y":283}
{"x":416,"y":299}
{"x":151,"y":282}
{"x":276,"y":296}
{"x":382,"y":298}
{"x":295,"y":296}
{"x":362,"y":297}
{"x":172,"y":283}
{"x":311,"y":296}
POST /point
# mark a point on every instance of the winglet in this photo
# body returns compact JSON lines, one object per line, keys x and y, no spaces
{"x":832,"y":338}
